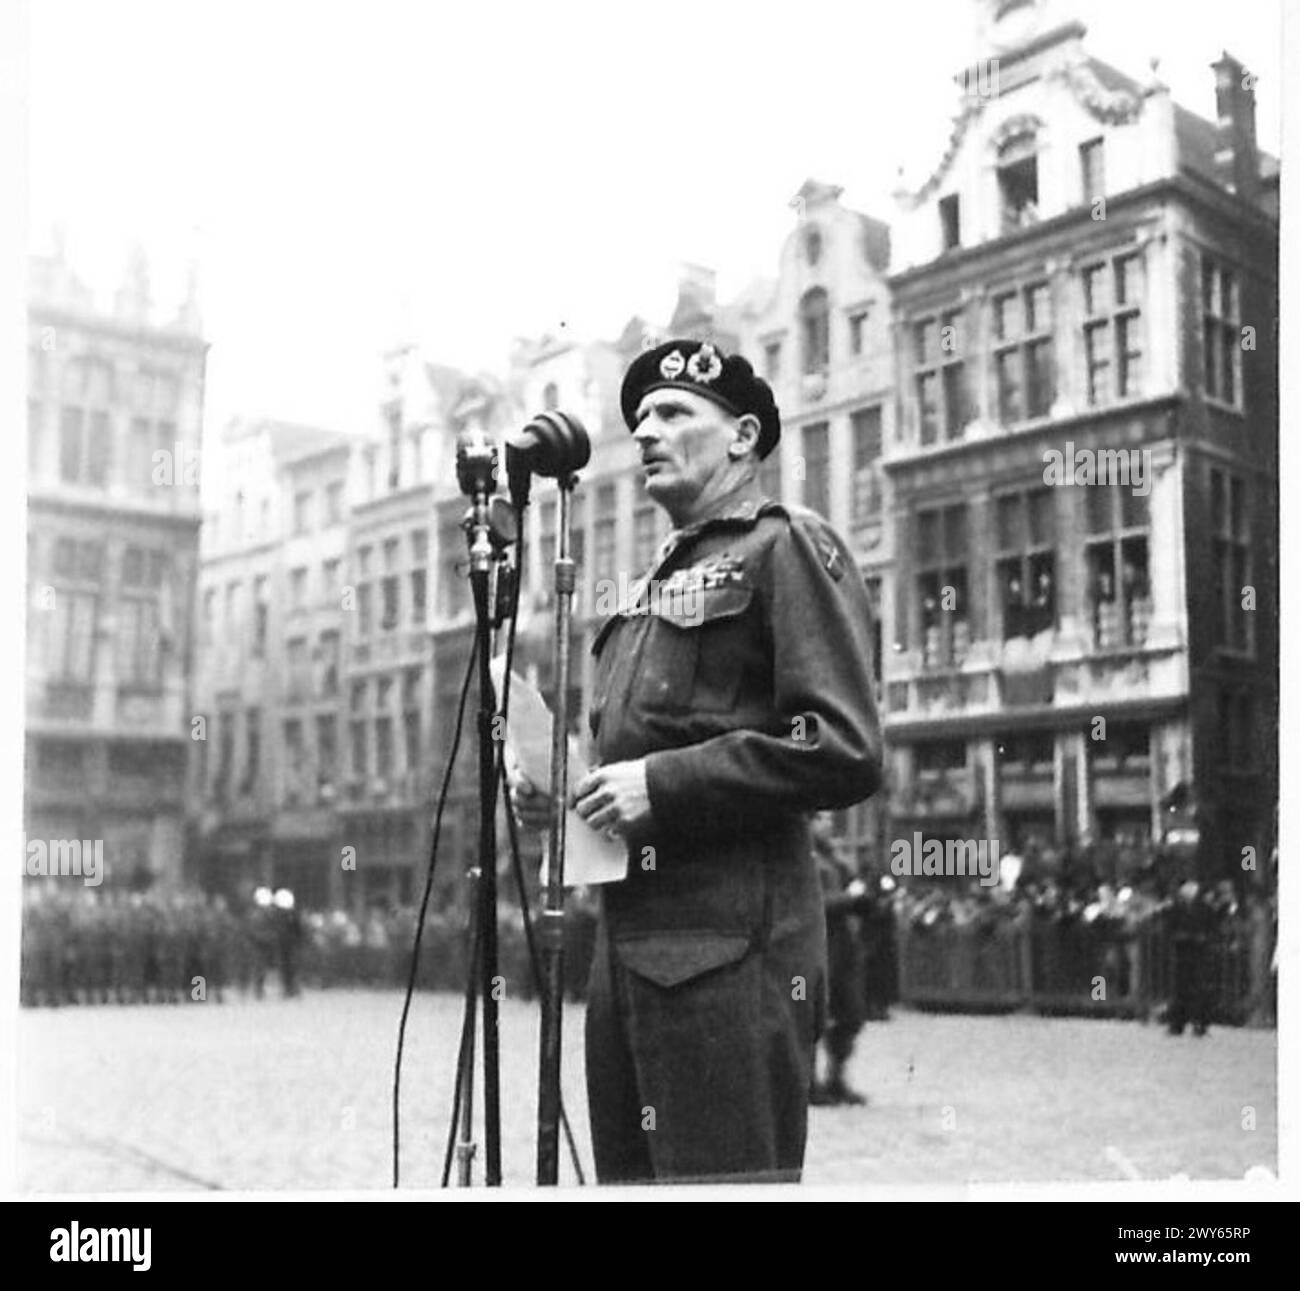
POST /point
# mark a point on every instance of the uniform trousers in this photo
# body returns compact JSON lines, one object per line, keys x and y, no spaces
{"x":703,"y":1080}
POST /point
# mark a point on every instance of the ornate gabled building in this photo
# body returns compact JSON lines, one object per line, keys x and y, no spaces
{"x":409,"y":628}
{"x":115,"y":411}
{"x":820,"y":334}
{"x":1085,"y":292}
{"x":264,"y":767}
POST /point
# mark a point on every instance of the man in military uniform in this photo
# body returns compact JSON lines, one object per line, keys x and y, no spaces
{"x":846,"y":901}
{"x":732,"y":698}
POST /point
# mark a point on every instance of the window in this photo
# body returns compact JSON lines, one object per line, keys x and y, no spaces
{"x":1018,"y":182}
{"x":225,"y":755}
{"x":812,"y":245}
{"x":363,"y":561}
{"x":301,"y":512}
{"x":70,"y":445}
{"x":393,"y":418}
{"x":858,"y":331}
{"x":330,"y":585}
{"x":815,"y":321}
{"x":357,"y":701}
{"x":360,"y":763}
{"x":411,"y":680}
{"x":419,"y":547}
{"x":139,"y":628}
{"x":298,"y":675}
{"x":546,"y":553}
{"x":1117,"y":557}
{"x":140,"y":454}
{"x":298,"y":588}
{"x":1026,"y":563}
{"x":364,"y":592}
{"x":383,"y":747}
{"x":411,"y":739}
{"x":604,"y":536}
{"x":260,"y":610}
{"x":817,"y":468}
{"x":295,"y":759}
{"x":232,"y":607}
{"x":1230,"y":561}
{"x":939,"y":757}
{"x":1026,"y":753}
{"x":77,"y":568}
{"x":209,"y":614}
{"x":942,"y":587}
{"x":873,"y":595}
{"x":326,"y":749}
{"x":865,"y":427}
{"x":85,"y":447}
{"x":253,"y":746}
{"x":390,"y":555}
{"x":942,"y":398}
{"x":1238,"y":732}
{"x":772,"y":360}
{"x":1022,"y":353}
{"x":550,"y":397}
{"x":334,"y":502}
{"x":950,"y":221}
{"x":452,"y":588}
{"x":1092,"y":169}
{"x":388,"y":588}
{"x":578,"y":551}
{"x":644,"y":535}
{"x":329,"y":663}
{"x":419,"y":597}
{"x":1112,"y":332}
{"x":1221,"y":332}
{"x":1126,"y":749}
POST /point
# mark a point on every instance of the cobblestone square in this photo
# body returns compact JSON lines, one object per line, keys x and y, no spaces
{"x":296,"y":1094}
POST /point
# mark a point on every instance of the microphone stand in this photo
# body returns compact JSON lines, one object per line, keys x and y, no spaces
{"x":552,"y":924}
{"x":477,"y":480}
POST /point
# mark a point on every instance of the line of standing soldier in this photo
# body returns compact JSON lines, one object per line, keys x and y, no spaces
{"x":151,"y":948}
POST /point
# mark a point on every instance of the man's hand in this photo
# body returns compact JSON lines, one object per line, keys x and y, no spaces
{"x":614,"y":798}
{"x":532,"y":806}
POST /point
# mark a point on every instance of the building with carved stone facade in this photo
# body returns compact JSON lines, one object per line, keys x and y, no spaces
{"x":1090,"y":272}
{"x":115,"y":411}
{"x":265,"y":777}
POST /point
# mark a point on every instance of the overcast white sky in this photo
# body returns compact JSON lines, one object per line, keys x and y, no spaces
{"x":474,"y":171}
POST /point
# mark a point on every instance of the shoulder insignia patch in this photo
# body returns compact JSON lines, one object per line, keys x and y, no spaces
{"x":830,"y":556}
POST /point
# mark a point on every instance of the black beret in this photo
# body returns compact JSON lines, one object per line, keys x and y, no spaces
{"x":701,"y":368}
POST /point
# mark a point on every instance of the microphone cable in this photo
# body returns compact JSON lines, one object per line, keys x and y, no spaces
{"x":424,"y":907}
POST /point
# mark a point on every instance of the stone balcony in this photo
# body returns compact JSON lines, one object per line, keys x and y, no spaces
{"x":1057,"y":670}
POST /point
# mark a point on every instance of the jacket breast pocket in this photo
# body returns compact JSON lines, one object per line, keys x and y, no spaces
{"x":671,"y":959}
{"x":691,"y":658}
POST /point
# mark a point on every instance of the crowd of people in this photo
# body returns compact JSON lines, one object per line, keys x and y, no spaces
{"x":168,"y":947}
{"x":172,"y":946}
{"x":1215,"y":944}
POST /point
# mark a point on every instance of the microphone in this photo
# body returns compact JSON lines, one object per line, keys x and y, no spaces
{"x":476,"y":463}
{"x":553,"y":445}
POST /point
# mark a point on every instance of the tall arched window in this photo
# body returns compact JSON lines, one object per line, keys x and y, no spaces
{"x":815,"y":320}
{"x":550,"y":397}
{"x":1018,"y":180}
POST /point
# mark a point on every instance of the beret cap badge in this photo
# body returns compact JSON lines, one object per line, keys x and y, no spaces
{"x":672,"y":366}
{"x":704,"y":365}
{"x":727,"y":380}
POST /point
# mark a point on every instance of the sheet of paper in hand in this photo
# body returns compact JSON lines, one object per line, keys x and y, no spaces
{"x":589,"y":856}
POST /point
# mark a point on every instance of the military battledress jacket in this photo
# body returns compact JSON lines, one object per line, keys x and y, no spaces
{"x":741,"y":671}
